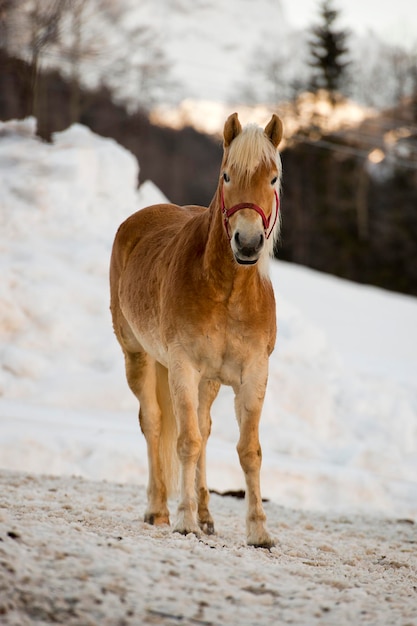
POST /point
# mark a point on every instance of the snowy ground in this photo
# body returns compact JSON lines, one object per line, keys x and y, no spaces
{"x":75,"y":552}
{"x":339,"y":429}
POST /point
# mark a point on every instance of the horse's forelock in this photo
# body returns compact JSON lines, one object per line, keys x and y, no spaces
{"x":250,"y":149}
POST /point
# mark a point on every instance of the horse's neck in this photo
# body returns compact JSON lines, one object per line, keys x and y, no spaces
{"x":217,"y":252}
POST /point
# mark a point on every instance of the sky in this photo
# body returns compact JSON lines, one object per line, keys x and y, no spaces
{"x":395,"y":22}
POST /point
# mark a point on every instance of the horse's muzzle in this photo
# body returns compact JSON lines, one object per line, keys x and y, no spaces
{"x":247,"y":248}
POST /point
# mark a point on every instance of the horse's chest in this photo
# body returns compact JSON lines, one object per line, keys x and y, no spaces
{"x":224,"y":352}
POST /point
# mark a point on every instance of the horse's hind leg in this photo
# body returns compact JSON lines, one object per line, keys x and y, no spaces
{"x":207,"y":393}
{"x":141,"y":377}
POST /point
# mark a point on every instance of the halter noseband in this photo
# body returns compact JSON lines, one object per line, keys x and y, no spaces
{"x":227,"y":213}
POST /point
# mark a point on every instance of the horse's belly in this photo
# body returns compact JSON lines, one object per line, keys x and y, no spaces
{"x":146,"y":338}
{"x":154,"y":349}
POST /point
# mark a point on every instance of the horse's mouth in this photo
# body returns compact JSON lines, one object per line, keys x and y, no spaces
{"x":245,"y":261}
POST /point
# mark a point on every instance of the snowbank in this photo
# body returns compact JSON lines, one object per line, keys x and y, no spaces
{"x":60,"y":206}
{"x":339,"y":428}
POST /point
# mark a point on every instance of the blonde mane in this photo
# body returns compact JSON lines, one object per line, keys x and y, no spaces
{"x":250,"y":149}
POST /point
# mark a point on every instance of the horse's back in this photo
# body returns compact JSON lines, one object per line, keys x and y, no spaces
{"x":150,"y":228}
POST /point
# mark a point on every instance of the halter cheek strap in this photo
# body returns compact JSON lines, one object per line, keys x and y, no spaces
{"x":266,"y":221}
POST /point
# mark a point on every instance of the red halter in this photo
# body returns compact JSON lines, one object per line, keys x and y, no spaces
{"x":227,"y":213}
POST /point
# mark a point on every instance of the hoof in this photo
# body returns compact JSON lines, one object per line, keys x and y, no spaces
{"x":156,"y":519}
{"x":207,"y":527}
{"x":186,"y":522}
{"x":184,"y":532}
{"x":261,"y":539}
{"x":267,"y":543}
{"x":187,"y":530}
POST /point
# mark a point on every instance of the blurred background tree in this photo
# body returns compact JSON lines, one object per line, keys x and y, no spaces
{"x":88,"y":42}
{"x":28,"y":29}
{"x":328,"y":52}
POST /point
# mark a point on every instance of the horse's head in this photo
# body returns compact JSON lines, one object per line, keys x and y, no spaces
{"x":249,"y":183}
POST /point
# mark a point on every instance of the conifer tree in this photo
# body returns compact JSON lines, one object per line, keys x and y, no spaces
{"x":328,"y":51}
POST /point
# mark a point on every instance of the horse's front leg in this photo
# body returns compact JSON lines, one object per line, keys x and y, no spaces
{"x":184,"y":384}
{"x":248,"y":402}
{"x":207,"y":394}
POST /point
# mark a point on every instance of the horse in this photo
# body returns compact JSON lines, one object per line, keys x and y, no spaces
{"x":193,"y":308}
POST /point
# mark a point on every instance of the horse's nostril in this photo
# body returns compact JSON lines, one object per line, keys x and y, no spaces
{"x":237,"y":238}
{"x":261,"y":242}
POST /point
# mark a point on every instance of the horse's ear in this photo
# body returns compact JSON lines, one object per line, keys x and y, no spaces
{"x":232,"y":129}
{"x":273,"y":130}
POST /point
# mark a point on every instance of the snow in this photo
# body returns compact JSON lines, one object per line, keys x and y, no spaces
{"x":218,"y":50}
{"x":339,"y":428}
{"x":210,"y":44}
{"x":74,"y":552}
{"x":364,"y":18}
{"x":221,"y":52}
{"x":246,"y":51}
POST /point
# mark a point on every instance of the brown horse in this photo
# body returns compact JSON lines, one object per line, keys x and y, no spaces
{"x":193,"y":308}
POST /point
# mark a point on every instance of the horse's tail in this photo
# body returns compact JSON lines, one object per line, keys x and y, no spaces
{"x":169,"y":433}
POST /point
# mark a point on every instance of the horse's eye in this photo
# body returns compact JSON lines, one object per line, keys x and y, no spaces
{"x":226,"y":177}
{"x":274,"y":180}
